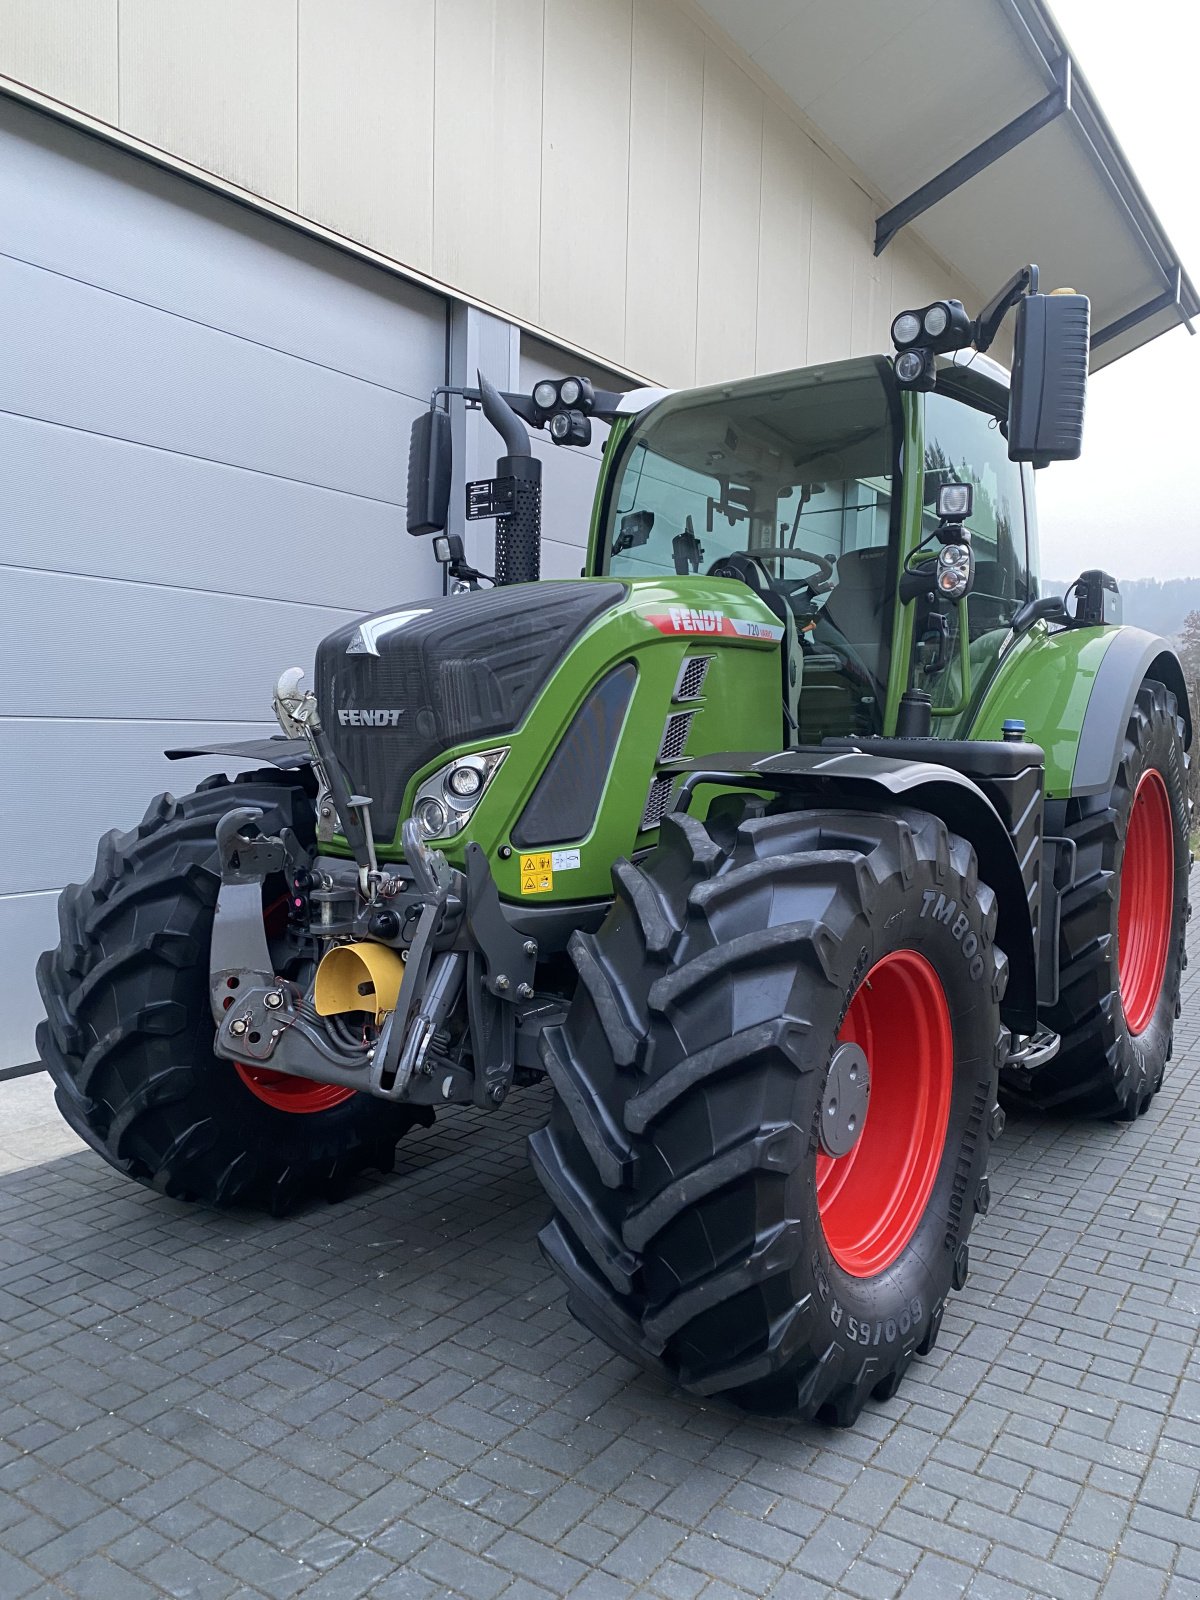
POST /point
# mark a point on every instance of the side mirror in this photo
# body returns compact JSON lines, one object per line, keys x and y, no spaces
{"x":429,"y":461}
{"x":1049,"y":378}
{"x":1097,"y":599}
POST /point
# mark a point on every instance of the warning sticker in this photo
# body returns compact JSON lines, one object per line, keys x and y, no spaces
{"x":565,"y":860}
{"x":537,"y":873}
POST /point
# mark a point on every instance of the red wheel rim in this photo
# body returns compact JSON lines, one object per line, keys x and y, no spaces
{"x":283,"y":1091}
{"x":1145,"y":905}
{"x":871,"y":1199}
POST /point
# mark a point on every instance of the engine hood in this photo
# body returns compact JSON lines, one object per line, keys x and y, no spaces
{"x":398,"y":688}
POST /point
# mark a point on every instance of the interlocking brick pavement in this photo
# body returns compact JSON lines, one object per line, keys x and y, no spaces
{"x":387,"y":1398}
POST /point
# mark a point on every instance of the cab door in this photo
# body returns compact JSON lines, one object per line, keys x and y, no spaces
{"x":956,"y":645}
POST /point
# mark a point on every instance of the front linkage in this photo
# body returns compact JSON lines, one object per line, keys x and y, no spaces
{"x":405,"y":953}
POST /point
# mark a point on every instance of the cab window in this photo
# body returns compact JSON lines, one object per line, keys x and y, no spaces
{"x":788,"y":482}
{"x":956,"y":647}
{"x":965,"y":445}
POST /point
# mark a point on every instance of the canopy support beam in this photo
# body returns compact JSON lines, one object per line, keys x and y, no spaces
{"x":1055,"y":105}
{"x":1163,"y":302}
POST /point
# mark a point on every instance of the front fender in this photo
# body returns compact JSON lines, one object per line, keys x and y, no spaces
{"x":857,"y":780}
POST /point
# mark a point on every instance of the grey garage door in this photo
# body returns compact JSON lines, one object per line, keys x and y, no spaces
{"x":203,"y":437}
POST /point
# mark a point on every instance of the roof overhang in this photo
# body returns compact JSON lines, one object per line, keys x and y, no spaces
{"x":972,"y":125}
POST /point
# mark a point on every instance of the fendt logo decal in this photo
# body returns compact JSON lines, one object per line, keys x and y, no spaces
{"x":354,"y":718}
{"x":682,"y":619}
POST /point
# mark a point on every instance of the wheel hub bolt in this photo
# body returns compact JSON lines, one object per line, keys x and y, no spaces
{"x":273,"y":999}
{"x":844,"y":1103}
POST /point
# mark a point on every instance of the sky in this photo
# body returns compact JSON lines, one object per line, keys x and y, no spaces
{"x":1131,"y":503}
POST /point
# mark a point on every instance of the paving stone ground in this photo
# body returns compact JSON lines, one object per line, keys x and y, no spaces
{"x":387,"y":1398}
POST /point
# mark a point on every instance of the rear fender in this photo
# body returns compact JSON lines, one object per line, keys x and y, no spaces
{"x":1074,"y":689}
{"x":1131,"y":658}
{"x":855,"y":780}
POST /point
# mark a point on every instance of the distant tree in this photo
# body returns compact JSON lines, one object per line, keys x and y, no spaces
{"x":1188,"y":646}
{"x":1189,"y":650}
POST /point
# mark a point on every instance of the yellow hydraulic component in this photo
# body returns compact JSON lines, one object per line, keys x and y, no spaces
{"x":358,"y":977}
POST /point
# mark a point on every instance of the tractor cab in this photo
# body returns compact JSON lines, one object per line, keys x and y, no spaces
{"x":818,"y":489}
{"x":792,"y":484}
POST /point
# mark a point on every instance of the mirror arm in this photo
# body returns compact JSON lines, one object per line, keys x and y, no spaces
{"x":1048,"y":607}
{"x":987,"y":323}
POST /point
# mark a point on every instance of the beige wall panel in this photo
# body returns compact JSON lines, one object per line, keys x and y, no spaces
{"x":840,"y":234}
{"x":914,"y":279}
{"x":784,"y":242}
{"x":66,"y":48}
{"x":487,"y":150}
{"x":871,"y":298}
{"x":603,"y":169}
{"x":585,"y":169}
{"x":366,"y":122}
{"x":214,"y":81}
{"x":665,"y":133}
{"x":730,"y":183}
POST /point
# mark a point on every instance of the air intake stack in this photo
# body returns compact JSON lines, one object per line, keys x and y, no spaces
{"x":519,"y":530}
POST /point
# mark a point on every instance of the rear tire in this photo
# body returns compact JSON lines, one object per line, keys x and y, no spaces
{"x":1121,"y":944}
{"x":695,"y":1223}
{"x":128,"y":1032}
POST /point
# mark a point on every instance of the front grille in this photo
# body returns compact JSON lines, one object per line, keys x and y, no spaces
{"x":691,"y":678}
{"x":457,"y":668}
{"x":675,"y":735}
{"x":658,"y":801}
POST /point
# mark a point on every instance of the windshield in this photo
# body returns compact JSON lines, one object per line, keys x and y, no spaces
{"x":790,"y":483}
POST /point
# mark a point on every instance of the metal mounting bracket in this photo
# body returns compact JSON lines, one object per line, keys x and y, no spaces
{"x":1047,"y":110}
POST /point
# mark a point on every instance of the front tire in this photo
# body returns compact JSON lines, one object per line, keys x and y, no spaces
{"x":700,"y":1221}
{"x":128,"y":1033}
{"x":1123,"y":923}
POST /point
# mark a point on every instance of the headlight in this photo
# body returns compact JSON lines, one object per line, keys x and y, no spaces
{"x":906,"y":328}
{"x":545,"y":395}
{"x":937,"y":320}
{"x":431,"y":817}
{"x":569,"y":391}
{"x":446,"y":800}
{"x":954,"y":566}
{"x":953,"y":502}
{"x":463,"y":781}
{"x":914,"y":368}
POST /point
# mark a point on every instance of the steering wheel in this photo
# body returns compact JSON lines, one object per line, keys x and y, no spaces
{"x":748,"y":566}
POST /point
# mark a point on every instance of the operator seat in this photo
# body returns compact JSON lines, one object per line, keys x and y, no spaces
{"x":856,"y":604}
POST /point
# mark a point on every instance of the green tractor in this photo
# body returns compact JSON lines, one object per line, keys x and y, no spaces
{"x":783,"y":841}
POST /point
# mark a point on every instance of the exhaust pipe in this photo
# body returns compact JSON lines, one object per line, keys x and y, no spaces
{"x":519,"y":532}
